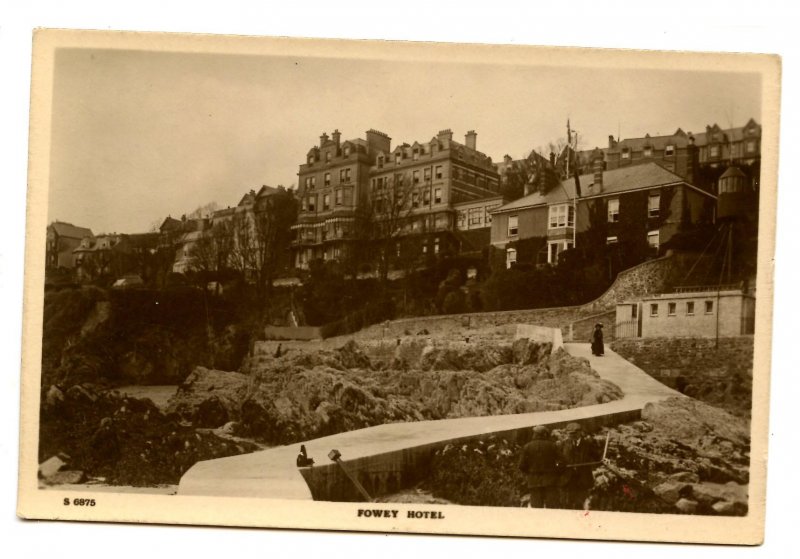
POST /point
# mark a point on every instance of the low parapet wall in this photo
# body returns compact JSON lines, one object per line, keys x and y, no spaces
{"x":304,"y":333}
{"x":541,"y":334}
{"x":387,"y":473}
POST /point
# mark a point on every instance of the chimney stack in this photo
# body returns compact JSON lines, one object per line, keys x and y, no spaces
{"x":336,"y":137}
{"x":597,"y":169}
{"x":446,"y":134}
{"x":612,"y":143}
{"x":552,"y":159}
{"x":323,"y":139}
{"x":471,"y":139}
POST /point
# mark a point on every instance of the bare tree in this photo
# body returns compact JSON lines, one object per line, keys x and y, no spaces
{"x":260,"y":238}
{"x":389,"y":216}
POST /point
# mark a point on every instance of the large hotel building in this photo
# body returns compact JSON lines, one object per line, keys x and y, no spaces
{"x":345,"y":184}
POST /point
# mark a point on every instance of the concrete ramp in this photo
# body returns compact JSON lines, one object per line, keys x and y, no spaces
{"x":387,"y":457}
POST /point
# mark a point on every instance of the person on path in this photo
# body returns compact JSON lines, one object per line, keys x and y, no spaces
{"x":597,"y":340}
{"x":539,"y":462}
{"x":302,"y":459}
{"x":577,"y":453}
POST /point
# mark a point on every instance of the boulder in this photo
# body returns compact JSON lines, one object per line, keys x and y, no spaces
{"x":54,"y":397}
{"x":709,"y":493}
{"x":729,"y":508}
{"x":686,"y":506}
{"x":672,"y":491}
{"x":51,"y":466}
{"x":64,"y":477}
{"x":686,"y":477}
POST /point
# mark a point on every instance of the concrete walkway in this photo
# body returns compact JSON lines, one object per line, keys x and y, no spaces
{"x":272,"y":473}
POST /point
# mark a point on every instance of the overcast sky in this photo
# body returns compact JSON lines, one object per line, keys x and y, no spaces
{"x":138,"y":135}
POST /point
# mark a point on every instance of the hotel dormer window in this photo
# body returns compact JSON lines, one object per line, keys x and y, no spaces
{"x":380,"y":161}
{"x":346,"y":151}
{"x":415,"y":155}
{"x":310,"y":159}
{"x":398,"y":157}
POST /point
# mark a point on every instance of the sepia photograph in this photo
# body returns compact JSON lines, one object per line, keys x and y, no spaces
{"x":415,"y":287}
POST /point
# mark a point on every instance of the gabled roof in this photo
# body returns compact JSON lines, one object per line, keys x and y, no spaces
{"x":266,"y":191}
{"x":656,"y":142}
{"x":616,"y":181}
{"x":170,"y":224}
{"x":68,"y":230}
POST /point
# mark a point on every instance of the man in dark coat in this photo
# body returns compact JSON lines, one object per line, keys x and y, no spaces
{"x":597,"y":340}
{"x":578,"y":453}
{"x":539,"y":462}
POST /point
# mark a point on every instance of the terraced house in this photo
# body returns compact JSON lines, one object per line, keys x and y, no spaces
{"x":634,"y":210}
{"x":362,"y":193}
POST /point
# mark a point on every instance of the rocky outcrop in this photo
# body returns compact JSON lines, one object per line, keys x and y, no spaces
{"x":98,"y":433}
{"x":314,"y":393}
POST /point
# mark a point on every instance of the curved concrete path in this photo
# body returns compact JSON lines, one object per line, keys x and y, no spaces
{"x":272,"y":473}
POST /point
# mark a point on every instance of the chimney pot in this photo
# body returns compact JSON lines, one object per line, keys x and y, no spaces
{"x":597,"y":169}
{"x":471,"y":140}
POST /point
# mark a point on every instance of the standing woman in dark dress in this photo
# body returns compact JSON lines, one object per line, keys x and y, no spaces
{"x":597,"y":340}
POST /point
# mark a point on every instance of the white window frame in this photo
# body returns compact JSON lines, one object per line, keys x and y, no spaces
{"x":654,"y":211}
{"x":561,"y":215}
{"x":339,"y":197}
{"x":513,"y":226}
{"x":327,"y":179}
{"x":475,"y":216}
{"x":326,"y":201}
{"x":415,"y":177}
{"x":437,"y":195}
{"x":612,"y":240}
{"x":438,"y":171}
{"x":613,"y":202}
{"x":669,"y":150}
{"x":626,"y":153}
{"x":511,"y":257}
{"x":713,"y":151}
{"x":654,"y":235}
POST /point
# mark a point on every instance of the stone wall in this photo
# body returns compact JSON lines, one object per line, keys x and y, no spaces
{"x":720,"y":376}
{"x":648,"y":277}
{"x":581,"y":330}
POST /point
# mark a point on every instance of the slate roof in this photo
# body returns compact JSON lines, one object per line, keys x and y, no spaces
{"x":634,"y":177}
{"x":68,"y":230}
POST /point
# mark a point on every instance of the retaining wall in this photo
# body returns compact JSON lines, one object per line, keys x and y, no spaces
{"x":387,"y":473}
{"x":648,"y":277}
